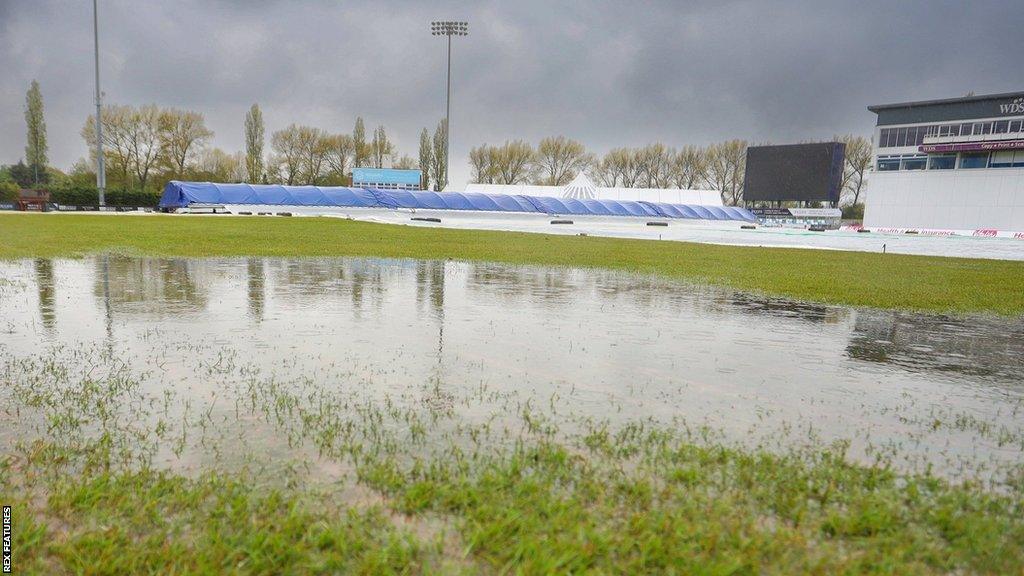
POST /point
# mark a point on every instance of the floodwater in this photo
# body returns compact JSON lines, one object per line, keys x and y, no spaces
{"x":935,"y":391}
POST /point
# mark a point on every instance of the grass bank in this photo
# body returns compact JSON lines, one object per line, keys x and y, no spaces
{"x":852,"y":278}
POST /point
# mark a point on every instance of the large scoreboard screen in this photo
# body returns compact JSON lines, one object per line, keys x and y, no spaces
{"x":804,"y":172}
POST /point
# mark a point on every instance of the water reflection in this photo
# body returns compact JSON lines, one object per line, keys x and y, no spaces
{"x":430,"y":280}
{"x":606,"y":344}
{"x":257,"y":288}
{"x":149,"y":286}
{"x":147,"y":289}
{"x":760,"y":306}
{"x":978,"y":346}
{"x":46,"y":289}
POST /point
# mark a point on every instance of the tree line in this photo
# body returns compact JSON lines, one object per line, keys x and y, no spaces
{"x":556,"y":160}
{"x":146,"y":146}
{"x":149,"y":145}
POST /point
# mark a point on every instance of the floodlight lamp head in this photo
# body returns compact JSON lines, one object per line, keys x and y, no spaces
{"x":449,"y":28}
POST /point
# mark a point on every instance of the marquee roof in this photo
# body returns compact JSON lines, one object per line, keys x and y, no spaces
{"x":180,"y":194}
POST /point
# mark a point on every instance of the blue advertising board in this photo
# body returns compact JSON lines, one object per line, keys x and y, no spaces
{"x":386,"y":176}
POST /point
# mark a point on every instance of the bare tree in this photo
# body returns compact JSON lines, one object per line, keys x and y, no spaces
{"x":288,"y":154}
{"x":653,"y":165}
{"x":855,"y":167}
{"x":315,"y":146}
{"x":689,"y":167}
{"x":558,"y":160}
{"x":217,"y":165}
{"x":145,"y":141}
{"x":604,"y":172}
{"x":406,"y":162}
{"x":342,"y":151}
{"x":182,"y":133}
{"x":426,"y":155}
{"x":481,"y":160}
{"x":726,"y":167}
{"x":628,"y":165}
{"x":514,"y":162}
{"x":254,"y":135}
{"x":117,"y":151}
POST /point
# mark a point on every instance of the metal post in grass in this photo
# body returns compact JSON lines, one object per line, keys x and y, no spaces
{"x":448,"y":28}
{"x":101,"y":173}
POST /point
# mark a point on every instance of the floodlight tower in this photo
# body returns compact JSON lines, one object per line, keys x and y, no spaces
{"x":448,"y":28}
{"x":101,"y":173}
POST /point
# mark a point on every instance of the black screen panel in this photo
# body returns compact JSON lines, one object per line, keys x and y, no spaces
{"x":802,"y":172}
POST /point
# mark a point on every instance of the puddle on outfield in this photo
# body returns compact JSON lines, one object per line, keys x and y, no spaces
{"x":469,"y":338}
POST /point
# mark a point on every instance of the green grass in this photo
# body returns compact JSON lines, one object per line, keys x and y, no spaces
{"x":636,"y":498}
{"x":955,"y":285}
{"x":152,"y":523}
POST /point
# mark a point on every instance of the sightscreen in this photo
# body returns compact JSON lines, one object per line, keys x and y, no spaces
{"x":804,"y":172}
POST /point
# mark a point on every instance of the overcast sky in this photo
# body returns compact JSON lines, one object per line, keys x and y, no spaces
{"x":607,"y":73}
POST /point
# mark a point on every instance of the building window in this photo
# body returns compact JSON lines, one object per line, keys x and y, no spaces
{"x":942,"y":162}
{"x":888,"y":164}
{"x":901,"y":137}
{"x":1002,"y":159}
{"x":1015,"y":126}
{"x":965,"y":129}
{"x":1001,"y":127}
{"x":913,"y":163}
{"x":974,"y":160}
{"x":883,"y":138}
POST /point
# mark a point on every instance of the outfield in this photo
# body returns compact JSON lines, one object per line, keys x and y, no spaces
{"x":851,"y":278}
{"x":136,"y":445}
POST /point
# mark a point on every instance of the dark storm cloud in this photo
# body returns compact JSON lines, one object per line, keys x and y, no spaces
{"x":604,"y":72}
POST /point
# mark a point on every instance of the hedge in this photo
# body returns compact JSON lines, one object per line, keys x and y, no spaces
{"x":90,"y":197}
{"x":9,"y":192}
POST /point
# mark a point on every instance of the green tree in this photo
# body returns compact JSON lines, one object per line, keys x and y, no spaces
{"x":426,"y":156}
{"x":439,"y":160}
{"x":381,"y":148}
{"x":36,"y":148}
{"x":362,"y":152}
{"x":254,"y":135}
{"x":8,"y":192}
{"x":21,"y":174}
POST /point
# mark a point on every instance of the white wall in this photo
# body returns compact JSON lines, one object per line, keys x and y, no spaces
{"x":946,"y":199}
{"x":667,"y":195}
